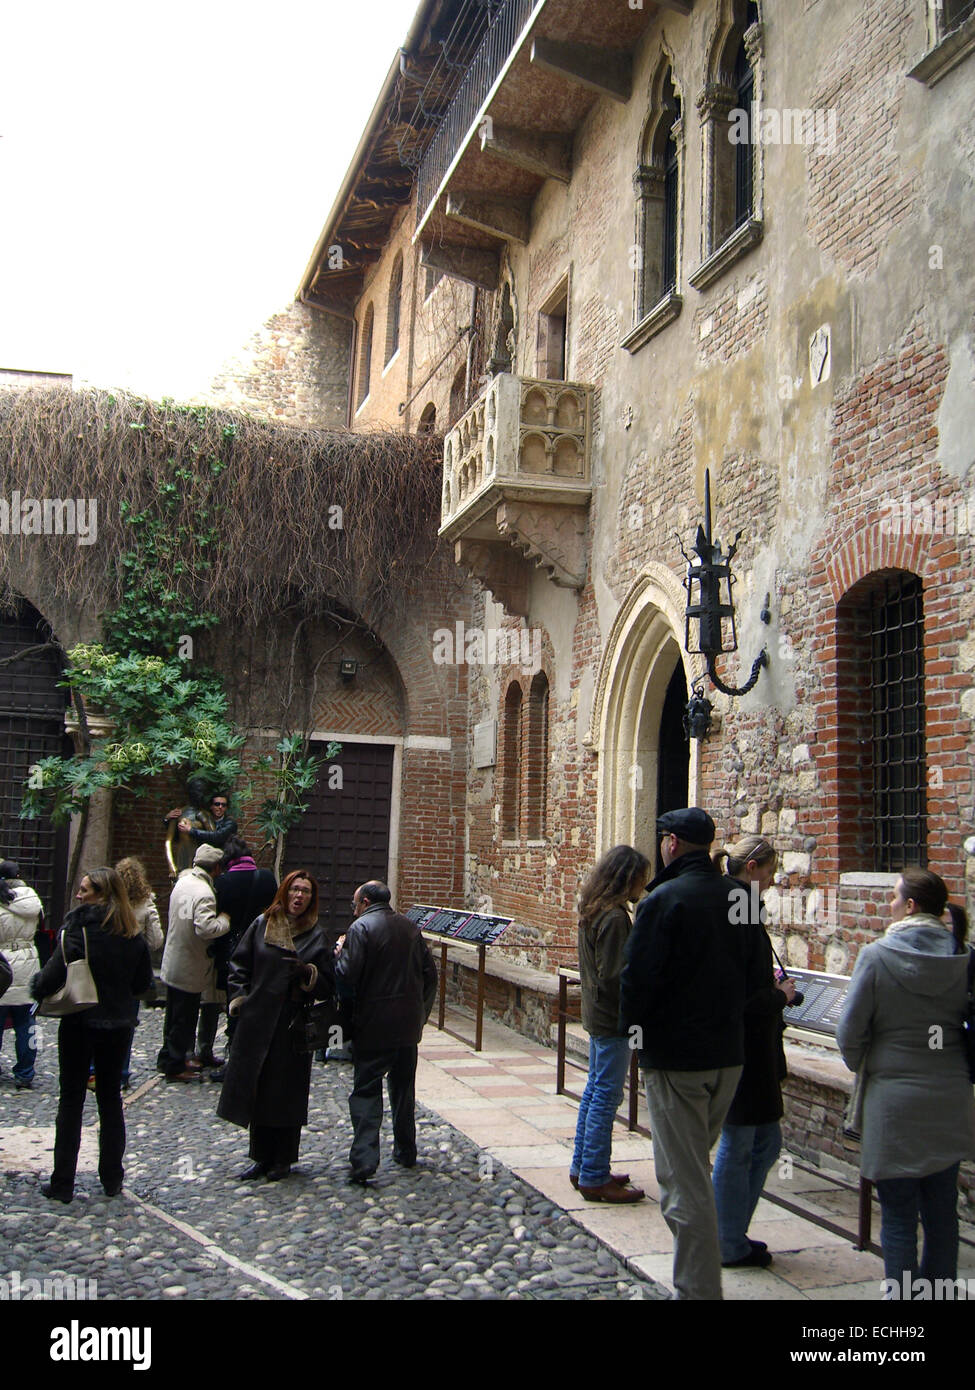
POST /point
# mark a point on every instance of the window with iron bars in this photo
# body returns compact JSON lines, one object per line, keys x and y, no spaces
{"x":881,"y":760}
{"x":899,"y":792}
{"x":744,"y":152}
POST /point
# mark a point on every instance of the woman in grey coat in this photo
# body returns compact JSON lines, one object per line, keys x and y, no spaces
{"x":902,"y":1031}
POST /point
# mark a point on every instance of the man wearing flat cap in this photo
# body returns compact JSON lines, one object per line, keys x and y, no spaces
{"x":682,"y":997}
{"x":187,"y":968}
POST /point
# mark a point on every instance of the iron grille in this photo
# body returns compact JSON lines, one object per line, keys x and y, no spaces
{"x":31,"y":728}
{"x":744,"y":152}
{"x":899,"y":810}
{"x":669,"y":258}
{"x":490,"y":58}
{"x":956,"y":12}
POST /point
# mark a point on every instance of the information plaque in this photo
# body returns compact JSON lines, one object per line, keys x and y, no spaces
{"x":823,"y":1003}
{"x":459,"y":925}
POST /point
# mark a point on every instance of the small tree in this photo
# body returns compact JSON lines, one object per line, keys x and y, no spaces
{"x":295,"y":773}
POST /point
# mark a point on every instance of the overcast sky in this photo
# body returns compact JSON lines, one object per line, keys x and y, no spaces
{"x":165,"y":172}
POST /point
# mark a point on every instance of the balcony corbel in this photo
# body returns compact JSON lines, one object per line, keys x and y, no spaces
{"x":604,"y":70}
{"x":507,"y":218}
{"x":546,"y":154}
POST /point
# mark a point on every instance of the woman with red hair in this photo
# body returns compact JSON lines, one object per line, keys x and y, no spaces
{"x":282,"y":961}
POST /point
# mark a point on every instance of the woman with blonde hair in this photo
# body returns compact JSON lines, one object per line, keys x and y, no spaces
{"x":103,"y":929}
{"x":604,"y":927}
{"x":751,"y":1137}
{"x":143,"y":901}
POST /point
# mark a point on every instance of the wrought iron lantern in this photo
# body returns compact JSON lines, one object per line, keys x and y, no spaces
{"x":710,"y":604}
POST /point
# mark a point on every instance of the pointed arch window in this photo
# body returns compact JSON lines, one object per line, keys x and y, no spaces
{"x":536,"y":763}
{"x":732,"y":217}
{"x":511,"y":771}
{"x":657,"y":183}
{"x":365,"y":356}
{"x":393,"y":308}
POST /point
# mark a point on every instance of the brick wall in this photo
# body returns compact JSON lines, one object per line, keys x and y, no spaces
{"x":295,"y":368}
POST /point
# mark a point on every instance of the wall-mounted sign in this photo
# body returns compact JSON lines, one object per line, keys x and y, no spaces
{"x":486,"y":743}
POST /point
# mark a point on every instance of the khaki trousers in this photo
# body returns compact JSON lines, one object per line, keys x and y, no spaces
{"x":687,"y":1110}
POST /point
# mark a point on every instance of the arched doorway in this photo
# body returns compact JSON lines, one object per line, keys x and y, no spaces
{"x":31,"y":728}
{"x":646,"y":763}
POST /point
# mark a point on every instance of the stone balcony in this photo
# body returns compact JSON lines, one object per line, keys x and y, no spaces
{"x":517,"y":483}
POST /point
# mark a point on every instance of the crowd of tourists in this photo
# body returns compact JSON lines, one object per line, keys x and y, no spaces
{"x":694,"y":984}
{"x":691,"y":981}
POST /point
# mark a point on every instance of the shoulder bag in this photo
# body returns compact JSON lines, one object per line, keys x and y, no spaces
{"x":78,"y":991}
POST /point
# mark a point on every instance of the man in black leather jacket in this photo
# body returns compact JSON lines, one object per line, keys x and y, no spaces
{"x":690,"y":965}
{"x":385,"y":964}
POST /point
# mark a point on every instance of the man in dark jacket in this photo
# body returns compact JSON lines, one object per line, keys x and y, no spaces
{"x":682,"y":998}
{"x":386,"y":966}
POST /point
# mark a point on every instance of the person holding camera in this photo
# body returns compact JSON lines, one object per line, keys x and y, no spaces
{"x":751,"y":1137}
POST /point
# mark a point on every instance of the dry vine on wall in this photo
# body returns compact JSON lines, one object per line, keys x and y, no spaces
{"x":330,"y":515}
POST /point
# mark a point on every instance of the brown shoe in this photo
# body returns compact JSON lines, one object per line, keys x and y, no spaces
{"x":613,"y":1192}
{"x":621,"y":1179}
{"x":184,"y":1075}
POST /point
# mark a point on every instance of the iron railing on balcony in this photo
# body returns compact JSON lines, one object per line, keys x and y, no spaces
{"x":497,"y":44}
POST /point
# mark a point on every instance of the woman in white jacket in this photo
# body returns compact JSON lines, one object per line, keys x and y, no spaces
{"x":20,"y":913}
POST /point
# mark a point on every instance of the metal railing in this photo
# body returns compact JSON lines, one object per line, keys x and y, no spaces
{"x":496,"y":46}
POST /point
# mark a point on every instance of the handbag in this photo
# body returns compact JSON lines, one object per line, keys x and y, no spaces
{"x":312,"y":1026}
{"x":78,"y":991}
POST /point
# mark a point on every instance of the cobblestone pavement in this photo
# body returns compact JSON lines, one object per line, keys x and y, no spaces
{"x":458,"y":1226}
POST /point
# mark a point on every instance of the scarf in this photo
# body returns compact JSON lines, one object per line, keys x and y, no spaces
{"x":279,"y":930}
{"x":245,"y":863}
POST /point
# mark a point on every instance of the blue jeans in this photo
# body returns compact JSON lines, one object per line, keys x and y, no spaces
{"x":935,"y":1198}
{"x":745,"y":1155}
{"x":609,"y":1061}
{"x":23,"y":1024}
